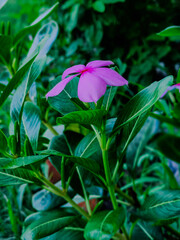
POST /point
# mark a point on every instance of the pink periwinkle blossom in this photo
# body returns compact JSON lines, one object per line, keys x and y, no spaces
{"x":94,"y":77}
{"x":171,"y":88}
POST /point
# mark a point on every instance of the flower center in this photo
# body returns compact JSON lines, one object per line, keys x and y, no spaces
{"x":86,"y":70}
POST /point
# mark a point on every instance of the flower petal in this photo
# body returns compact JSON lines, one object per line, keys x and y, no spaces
{"x":99,"y":63}
{"x":90,"y":88}
{"x":59,"y":87}
{"x":73,"y":69}
{"x":171,"y":88}
{"x":110,"y":76}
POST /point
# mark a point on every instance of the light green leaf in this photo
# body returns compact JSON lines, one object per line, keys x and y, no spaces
{"x":141,"y":102}
{"x":32,"y":122}
{"x":103,"y":225}
{"x":170,"y":31}
{"x":94,"y":117}
{"x":99,"y":6}
{"x":163,"y":205}
{"x":27,"y":29}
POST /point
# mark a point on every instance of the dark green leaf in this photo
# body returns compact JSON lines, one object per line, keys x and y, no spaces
{"x":20,"y":74}
{"x":103,"y":225}
{"x":3,"y":142}
{"x":6,"y":42}
{"x":46,"y":226}
{"x":7,"y":163}
{"x":141,"y":102}
{"x":94,"y":117}
{"x":62,"y":102}
{"x":17,"y":176}
{"x":162,"y":205}
{"x":169,"y":145}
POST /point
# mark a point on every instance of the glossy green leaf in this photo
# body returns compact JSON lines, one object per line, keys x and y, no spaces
{"x":112,"y":1}
{"x":170,"y":31}
{"x":8,"y":163}
{"x":94,"y":117}
{"x":3,"y":142}
{"x":17,"y":176}
{"x":162,"y":205}
{"x":16,"y":80}
{"x":87,"y":163}
{"x":141,"y":102}
{"x":62,"y":102}
{"x":87,"y":146}
{"x":99,"y":6}
{"x":27,"y":29}
{"x":46,"y":226}
{"x":169,"y":145}
{"x":108,"y":97}
{"x":103,"y":225}
{"x":32,"y":122}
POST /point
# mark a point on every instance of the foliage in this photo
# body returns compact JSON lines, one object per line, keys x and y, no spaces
{"x":117,"y":160}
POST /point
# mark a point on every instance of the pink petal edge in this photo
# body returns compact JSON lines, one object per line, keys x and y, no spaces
{"x":59,"y":87}
{"x":99,"y":63}
{"x":110,"y":76}
{"x":73,"y":69}
{"x":171,"y":88}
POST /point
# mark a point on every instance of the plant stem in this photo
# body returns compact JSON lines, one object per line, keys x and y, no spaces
{"x":63,"y":173}
{"x":50,"y":127}
{"x":52,"y":188}
{"x":110,"y":184}
{"x":125,"y":196}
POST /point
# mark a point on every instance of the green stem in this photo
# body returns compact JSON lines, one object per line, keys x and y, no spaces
{"x":63,"y":173}
{"x":52,"y":188}
{"x":84,"y":192}
{"x":110,"y":184}
{"x":125,"y":196}
{"x":50,"y":127}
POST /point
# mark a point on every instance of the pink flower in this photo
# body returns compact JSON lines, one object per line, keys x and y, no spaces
{"x":94,"y":77}
{"x":171,"y":88}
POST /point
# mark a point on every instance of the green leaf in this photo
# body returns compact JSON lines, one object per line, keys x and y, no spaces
{"x":3,"y":142}
{"x":170,"y":31}
{"x":46,"y":226}
{"x":32,"y":122}
{"x":62,"y":102}
{"x":162,"y":205}
{"x":7,"y":163}
{"x":169,"y":145}
{"x":87,"y":163}
{"x":99,"y":6}
{"x":94,"y":117}
{"x":141,"y":102}
{"x":17,"y":176}
{"x":20,"y":74}
{"x":27,"y":29}
{"x":87,"y":146}
{"x":146,"y":231}
{"x":6,"y":42}
{"x":103,"y":225}
{"x":2,"y":3}
{"x":109,"y":96}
